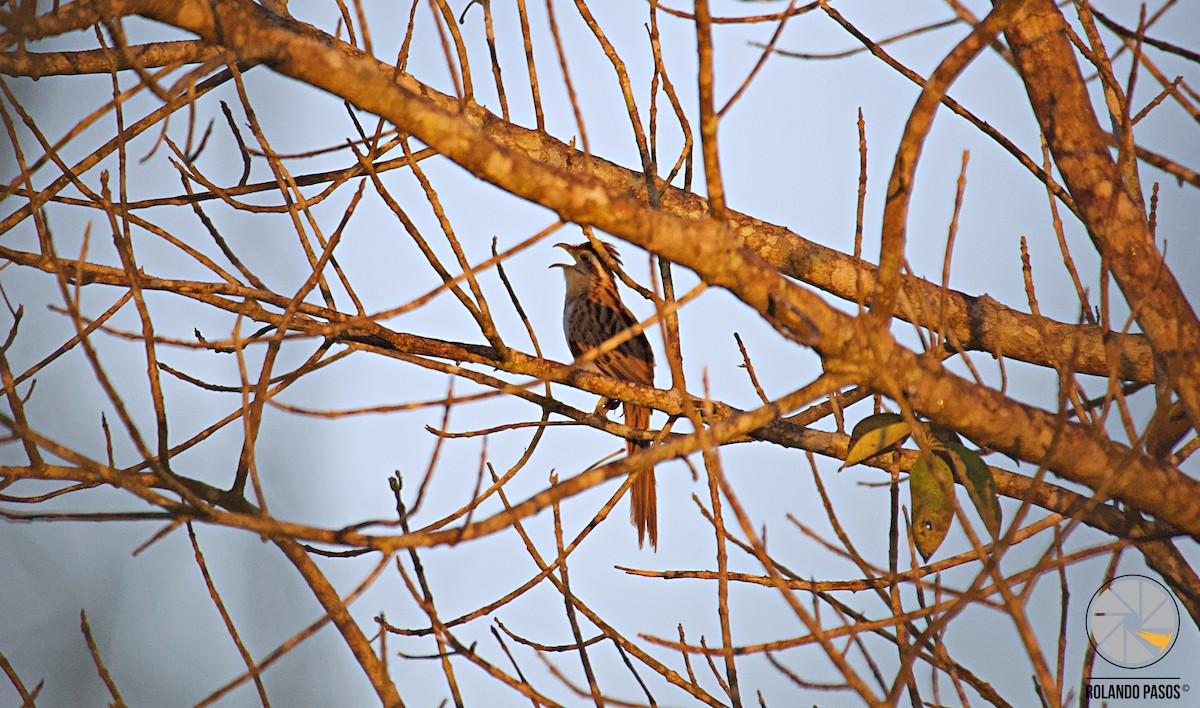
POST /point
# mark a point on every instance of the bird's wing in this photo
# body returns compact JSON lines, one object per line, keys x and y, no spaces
{"x":627,"y":367}
{"x":594,"y":323}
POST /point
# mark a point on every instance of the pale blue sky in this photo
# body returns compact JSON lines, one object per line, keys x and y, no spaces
{"x":789,"y":152}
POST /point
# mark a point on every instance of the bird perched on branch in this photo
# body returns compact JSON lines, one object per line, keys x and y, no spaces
{"x":592,"y":314}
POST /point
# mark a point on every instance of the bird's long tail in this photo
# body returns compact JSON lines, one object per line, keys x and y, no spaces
{"x":643,"y":504}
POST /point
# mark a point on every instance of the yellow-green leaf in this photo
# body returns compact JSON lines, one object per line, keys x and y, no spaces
{"x":931,"y":489}
{"x":875,"y":434}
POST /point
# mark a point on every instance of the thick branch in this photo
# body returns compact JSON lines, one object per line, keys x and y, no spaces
{"x":1119,"y":230}
{"x":101,"y":61}
{"x":977,"y":322}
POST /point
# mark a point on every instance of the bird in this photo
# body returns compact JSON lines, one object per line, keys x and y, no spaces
{"x":592,"y":314}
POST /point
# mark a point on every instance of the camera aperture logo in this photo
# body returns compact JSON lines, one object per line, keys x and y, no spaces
{"x":1133,"y":621}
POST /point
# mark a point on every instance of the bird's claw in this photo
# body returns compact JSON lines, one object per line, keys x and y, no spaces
{"x":604,"y":405}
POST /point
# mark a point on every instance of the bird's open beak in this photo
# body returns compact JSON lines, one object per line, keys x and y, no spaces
{"x":568,"y":249}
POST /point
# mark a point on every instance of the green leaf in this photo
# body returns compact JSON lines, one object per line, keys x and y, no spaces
{"x":873,"y":435}
{"x":931,"y":489}
{"x":980,"y":484}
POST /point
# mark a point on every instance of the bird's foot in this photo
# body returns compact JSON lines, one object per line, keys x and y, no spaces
{"x":604,"y":405}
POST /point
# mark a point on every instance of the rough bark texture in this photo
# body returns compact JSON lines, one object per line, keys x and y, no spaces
{"x":1118,"y":228}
